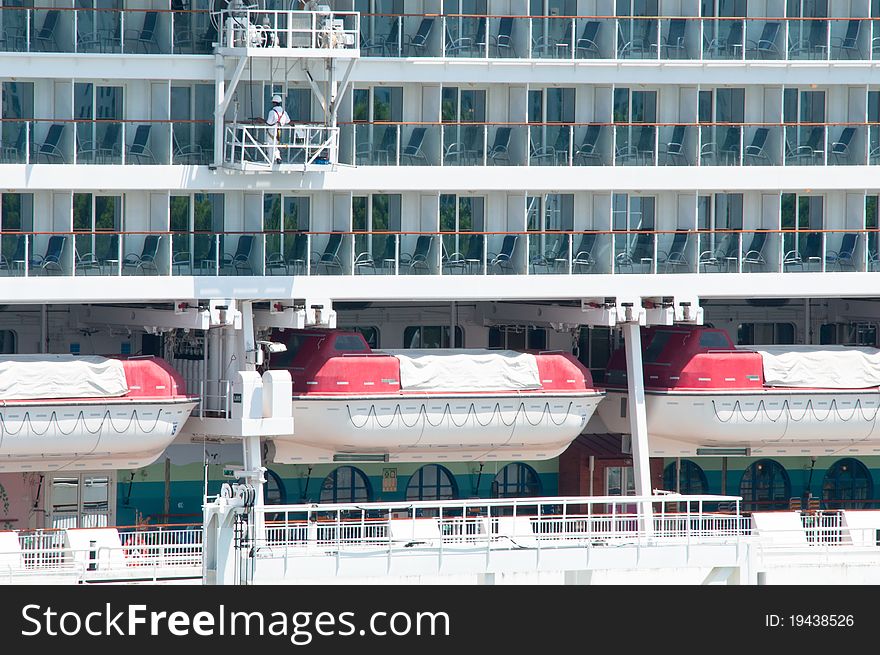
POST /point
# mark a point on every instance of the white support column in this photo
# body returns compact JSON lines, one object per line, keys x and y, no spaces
{"x":638,"y":422}
{"x":219,"y":111}
{"x":215,"y":356}
{"x":253,"y":466}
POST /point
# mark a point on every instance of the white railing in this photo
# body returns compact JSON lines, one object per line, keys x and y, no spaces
{"x":265,"y":145}
{"x":215,"y":398}
{"x":320,"y":30}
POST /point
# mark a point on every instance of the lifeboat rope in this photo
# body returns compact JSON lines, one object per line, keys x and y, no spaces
{"x":422,"y":417}
{"x":106,"y":419}
{"x":787,"y":413}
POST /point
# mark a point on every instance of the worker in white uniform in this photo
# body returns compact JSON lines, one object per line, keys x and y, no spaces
{"x":277,"y":118}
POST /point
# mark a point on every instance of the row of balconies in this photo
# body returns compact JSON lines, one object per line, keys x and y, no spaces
{"x":441,"y":253}
{"x":546,"y":37}
{"x":53,"y":141}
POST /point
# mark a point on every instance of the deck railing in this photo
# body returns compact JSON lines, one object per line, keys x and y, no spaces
{"x":267,"y":145}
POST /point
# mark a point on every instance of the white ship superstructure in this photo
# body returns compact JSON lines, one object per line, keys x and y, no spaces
{"x":548,"y":176}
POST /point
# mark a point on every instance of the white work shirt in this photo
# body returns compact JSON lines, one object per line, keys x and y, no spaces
{"x":277,"y":116}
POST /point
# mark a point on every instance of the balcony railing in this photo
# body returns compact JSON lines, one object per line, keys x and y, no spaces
{"x":266,"y":145}
{"x":610,"y":144}
{"x":137,"y":142}
{"x":293,"y":30}
{"x":258,"y":253}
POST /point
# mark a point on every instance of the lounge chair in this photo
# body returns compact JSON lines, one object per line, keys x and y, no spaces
{"x":845,"y":255}
{"x":583,"y":260}
{"x":417,"y":260}
{"x":51,"y":261}
{"x":418,"y":43}
{"x":676,"y":256}
{"x":146,"y":260}
{"x":503,"y":260}
{"x":329,"y":259}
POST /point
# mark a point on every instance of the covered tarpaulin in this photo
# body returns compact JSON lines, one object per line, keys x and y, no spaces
{"x":467,"y":370}
{"x":29,"y":377}
{"x":834,"y":367}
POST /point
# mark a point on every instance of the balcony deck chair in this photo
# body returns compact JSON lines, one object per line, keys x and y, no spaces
{"x":845,"y":254}
{"x":51,"y":261}
{"x":551,"y":155}
{"x":49,"y":150}
{"x":806,"y":255}
{"x":418,"y":42}
{"x":754,"y":254}
{"x":675,"y":39}
{"x":582,"y":260}
{"x":849,"y":43}
{"x":365,"y":263}
{"x":417,"y":260}
{"x":329,"y":259}
{"x":675,"y":148}
{"x":14,"y":264}
{"x":44,"y":39}
{"x":500,"y":150}
{"x":587,"y":46}
{"x":765,"y":47}
{"x":412,"y":151}
{"x":676,"y":256}
{"x":145,"y":38}
{"x":110,"y":255}
{"x":146,"y":260}
{"x":553,"y":257}
{"x":588,"y":150}
{"x":503,"y":260}
{"x":471,"y":45}
{"x":811,"y":45}
{"x":297,"y":256}
{"x":639,"y":251}
{"x":138,"y":150}
{"x":504,"y":39}
{"x":840,"y":148}
{"x":386,"y":43}
{"x":107,"y":149}
{"x":240,"y":260}
{"x":645,"y":146}
{"x":15,"y":154}
{"x":726,"y":46}
{"x":754,"y":152}
{"x":813,"y":146}
{"x":722,"y":255}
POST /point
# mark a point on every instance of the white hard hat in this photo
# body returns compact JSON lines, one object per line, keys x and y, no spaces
{"x":276,"y":98}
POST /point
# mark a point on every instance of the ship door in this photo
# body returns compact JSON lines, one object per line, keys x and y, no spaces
{"x":81,"y":500}
{"x":621,"y":481}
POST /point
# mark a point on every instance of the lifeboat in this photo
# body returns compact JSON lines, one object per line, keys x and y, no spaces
{"x":705,"y":396}
{"x":351,"y":403}
{"x":71,"y":412}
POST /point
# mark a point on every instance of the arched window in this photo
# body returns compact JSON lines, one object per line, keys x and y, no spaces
{"x":432,"y":482}
{"x":274,"y":492}
{"x":765,"y":486}
{"x":516,"y":480}
{"x":346,"y":484}
{"x":847,"y":485}
{"x":692,"y":479}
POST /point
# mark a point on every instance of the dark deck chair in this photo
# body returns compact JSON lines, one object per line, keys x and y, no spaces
{"x":145,"y":38}
{"x":504,"y":39}
{"x":753,"y":255}
{"x":727,"y":45}
{"x":555,"y":255}
{"x":50,"y":149}
{"x":365,"y":262}
{"x":840,"y":148}
{"x":297,"y":256}
{"x":675,"y":39}
{"x":329,"y":259}
{"x":419,"y":41}
{"x":138,"y":151}
{"x":720,"y":257}
{"x":500,"y":150}
{"x":16,"y":153}
{"x":108,"y":148}
{"x":465,"y":262}
{"x":645,"y":145}
{"x":676,"y":256}
{"x":582,"y":260}
{"x":808,"y":253}
{"x":412,"y":151}
{"x":241,"y":259}
{"x":417,"y":260}
{"x":550,"y":155}
{"x":587,"y":46}
{"x":11,"y":265}
{"x":845,"y":255}
{"x":588,"y":151}
{"x":388,"y":146}
{"x":147,"y":259}
{"x":385,"y":44}
{"x":51,"y":261}
{"x":765,"y":47}
{"x":730,"y":146}
{"x":814,"y":42}
{"x":754,"y":152}
{"x":504,"y":260}
{"x":44,"y":39}
{"x":110,"y":253}
{"x":675,"y":148}
{"x":849,"y":43}
{"x":467,"y":45}
{"x":641,"y":246}
{"x":813,"y":145}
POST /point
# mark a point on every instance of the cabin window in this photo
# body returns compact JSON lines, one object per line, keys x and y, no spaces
{"x":7,"y":342}
{"x":848,"y":334}
{"x":516,"y":480}
{"x":765,"y":486}
{"x":349,"y":343}
{"x":656,"y":347}
{"x":432,"y":482}
{"x":847,"y":485}
{"x":749,"y":334}
{"x":691,"y":479}
{"x":370,"y":333}
{"x":431,"y":336}
{"x":346,"y":484}
{"x":517,"y":337}
{"x":595,"y":345}
{"x":714,"y":340}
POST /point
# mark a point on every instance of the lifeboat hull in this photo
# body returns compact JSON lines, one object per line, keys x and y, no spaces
{"x":777,"y":422}
{"x":54,"y":435}
{"x":442,"y":427}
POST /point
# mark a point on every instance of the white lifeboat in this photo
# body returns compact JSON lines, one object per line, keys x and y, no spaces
{"x":705,"y":396}
{"x":351,"y":403}
{"x":67,"y":412}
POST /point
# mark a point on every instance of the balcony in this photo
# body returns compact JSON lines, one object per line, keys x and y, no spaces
{"x":184,"y":254}
{"x":256,"y":33}
{"x":610,"y":144}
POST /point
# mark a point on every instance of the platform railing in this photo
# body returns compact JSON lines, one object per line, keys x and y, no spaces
{"x":357,"y":253}
{"x":297,"y":30}
{"x":270,"y":145}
